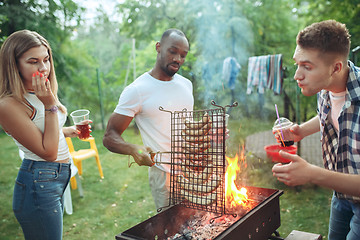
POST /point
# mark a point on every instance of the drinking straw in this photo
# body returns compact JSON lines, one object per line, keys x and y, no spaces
{"x":281,"y":139}
{"x":282,"y":135}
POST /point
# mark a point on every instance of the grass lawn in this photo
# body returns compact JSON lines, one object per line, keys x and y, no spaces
{"x":123,"y":199}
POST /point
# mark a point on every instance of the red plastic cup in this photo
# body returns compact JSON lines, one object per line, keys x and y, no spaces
{"x":272,"y":152}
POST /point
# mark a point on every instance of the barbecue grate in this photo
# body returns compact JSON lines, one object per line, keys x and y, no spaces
{"x":257,"y":223}
{"x":197,"y":178}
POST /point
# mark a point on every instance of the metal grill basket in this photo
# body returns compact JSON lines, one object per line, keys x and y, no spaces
{"x":197,"y":178}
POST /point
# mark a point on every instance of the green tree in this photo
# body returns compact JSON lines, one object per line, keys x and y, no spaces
{"x":55,"y":20}
{"x":109,"y":52}
{"x":147,"y":19}
{"x":217,"y":29}
{"x":345,"y":11}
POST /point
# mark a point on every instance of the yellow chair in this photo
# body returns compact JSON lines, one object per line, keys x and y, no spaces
{"x":81,"y":154}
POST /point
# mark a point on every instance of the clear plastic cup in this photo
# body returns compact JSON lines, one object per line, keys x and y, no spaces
{"x":282,"y":127}
{"x":80,"y":118}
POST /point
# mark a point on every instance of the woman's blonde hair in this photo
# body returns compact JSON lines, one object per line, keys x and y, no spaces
{"x":12,"y":49}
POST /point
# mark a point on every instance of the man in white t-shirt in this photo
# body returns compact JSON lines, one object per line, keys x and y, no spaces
{"x":161,"y":86}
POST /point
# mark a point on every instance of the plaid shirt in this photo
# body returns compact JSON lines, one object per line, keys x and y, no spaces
{"x":341,"y":150}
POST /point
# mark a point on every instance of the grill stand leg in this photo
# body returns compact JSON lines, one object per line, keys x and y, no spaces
{"x":276,"y":237}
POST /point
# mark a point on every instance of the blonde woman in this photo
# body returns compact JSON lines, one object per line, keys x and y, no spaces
{"x":31,"y":113}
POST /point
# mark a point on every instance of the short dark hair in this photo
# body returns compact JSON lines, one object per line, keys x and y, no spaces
{"x":327,"y":36}
{"x":173,"y":30}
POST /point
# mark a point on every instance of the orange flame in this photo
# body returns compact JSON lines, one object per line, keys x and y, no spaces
{"x":234,"y":197}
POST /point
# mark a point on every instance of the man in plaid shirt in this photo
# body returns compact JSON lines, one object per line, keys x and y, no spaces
{"x":323,"y":68}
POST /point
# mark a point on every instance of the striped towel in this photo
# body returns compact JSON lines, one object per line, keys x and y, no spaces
{"x":265,"y":72}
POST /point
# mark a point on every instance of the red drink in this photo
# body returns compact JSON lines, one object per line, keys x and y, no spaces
{"x":84,"y":131}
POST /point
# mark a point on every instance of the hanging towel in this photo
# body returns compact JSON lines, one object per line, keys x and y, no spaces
{"x":265,"y":72}
{"x":275,"y":80}
{"x":257,"y":74}
{"x":251,"y":74}
{"x":230,"y":71}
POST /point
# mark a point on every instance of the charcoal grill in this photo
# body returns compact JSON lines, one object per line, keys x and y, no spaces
{"x":257,"y":223}
{"x":197,"y":187}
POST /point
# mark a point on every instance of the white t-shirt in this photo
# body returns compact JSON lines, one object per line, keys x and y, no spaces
{"x":142,"y":99}
{"x":337,"y":102}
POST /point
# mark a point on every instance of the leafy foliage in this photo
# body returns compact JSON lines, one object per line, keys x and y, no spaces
{"x":216,"y":29}
{"x":55,"y":20}
{"x":345,"y":11}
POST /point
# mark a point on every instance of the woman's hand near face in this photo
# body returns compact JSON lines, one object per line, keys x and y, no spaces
{"x":42,"y":88}
{"x":50,"y":137}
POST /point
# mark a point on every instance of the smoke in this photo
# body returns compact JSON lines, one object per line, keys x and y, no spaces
{"x":222,"y":31}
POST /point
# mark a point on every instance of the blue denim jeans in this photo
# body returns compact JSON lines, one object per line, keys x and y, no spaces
{"x":37,"y":201}
{"x":344,"y":220}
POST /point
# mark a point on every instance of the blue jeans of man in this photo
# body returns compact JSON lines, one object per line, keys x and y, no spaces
{"x":37,"y":201}
{"x":344,"y":220}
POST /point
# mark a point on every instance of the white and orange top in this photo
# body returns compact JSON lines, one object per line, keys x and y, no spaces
{"x":38,"y":117}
